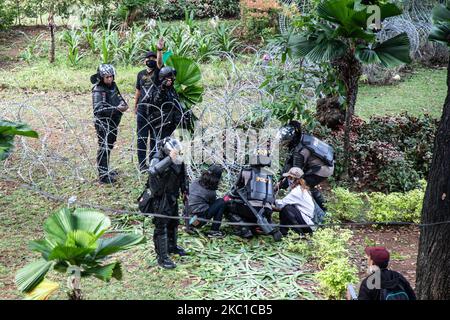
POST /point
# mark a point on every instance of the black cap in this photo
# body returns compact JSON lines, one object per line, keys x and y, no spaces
{"x":215,"y":170}
{"x":150,"y":54}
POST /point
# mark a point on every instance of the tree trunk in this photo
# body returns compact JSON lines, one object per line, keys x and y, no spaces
{"x":51,"y":25}
{"x":74,"y":284}
{"x":349,"y":70}
{"x":433,"y":260}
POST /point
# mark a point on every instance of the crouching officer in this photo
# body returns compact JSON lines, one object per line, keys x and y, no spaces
{"x":313,"y":156}
{"x":252,"y":197}
{"x":108,"y":105}
{"x":167,"y":177}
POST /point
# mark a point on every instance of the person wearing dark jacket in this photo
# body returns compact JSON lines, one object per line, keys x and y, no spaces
{"x":146,"y":80}
{"x":167,"y":178}
{"x":108,"y":106}
{"x":382,"y":283}
{"x":203,"y":201}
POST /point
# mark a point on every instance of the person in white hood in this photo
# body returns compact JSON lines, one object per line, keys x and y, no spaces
{"x":297,"y":208}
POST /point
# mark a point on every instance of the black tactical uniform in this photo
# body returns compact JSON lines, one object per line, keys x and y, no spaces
{"x":166,"y":180}
{"x":146,"y":81}
{"x":106,"y":101}
{"x":253,"y":198}
{"x":313,"y":156}
{"x":159,"y":111}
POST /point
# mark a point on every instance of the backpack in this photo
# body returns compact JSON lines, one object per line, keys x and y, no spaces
{"x":397,"y":293}
{"x":319,"y":214}
{"x":318,"y":148}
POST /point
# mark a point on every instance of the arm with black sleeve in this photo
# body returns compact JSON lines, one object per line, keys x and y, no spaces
{"x":99,"y":101}
{"x":298,"y":158}
{"x":158,"y":166}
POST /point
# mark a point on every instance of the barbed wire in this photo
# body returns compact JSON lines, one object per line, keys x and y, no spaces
{"x":119,"y":212}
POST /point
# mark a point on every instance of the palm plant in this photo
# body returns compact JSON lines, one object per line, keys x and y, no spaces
{"x":441,"y":28}
{"x":130,"y":48}
{"x":188,"y":79}
{"x":206,"y":48}
{"x":223,"y":36}
{"x":74,"y":245}
{"x":344,"y":37}
{"x":8,"y":130}
{"x":189,"y":21}
{"x":72,"y":39}
{"x":108,"y":42}
{"x":89,"y":34}
{"x":181,"y":43}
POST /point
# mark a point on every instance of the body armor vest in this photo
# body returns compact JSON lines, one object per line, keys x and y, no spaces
{"x":260,"y":186}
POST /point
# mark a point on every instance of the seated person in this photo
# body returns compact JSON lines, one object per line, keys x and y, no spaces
{"x":203,"y":202}
{"x":297,"y":208}
{"x":382,"y":283}
{"x":252,"y":198}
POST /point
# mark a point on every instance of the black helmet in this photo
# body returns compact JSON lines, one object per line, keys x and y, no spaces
{"x":167,"y":144}
{"x":102,"y":71}
{"x":290,"y":133}
{"x":106,"y":69}
{"x":166,"y":72}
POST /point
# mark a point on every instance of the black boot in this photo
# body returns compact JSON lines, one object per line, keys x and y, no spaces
{"x":318,"y":197}
{"x":173,"y":247}
{"x":161,"y":248}
{"x":241,"y":231}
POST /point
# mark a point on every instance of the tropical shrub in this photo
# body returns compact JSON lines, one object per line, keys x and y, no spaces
{"x":7,"y":15}
{"x":31,"y":51}
{"x":389,"y":153}
{"x":75,"y":245}
{"x":72,"y":39}
{"x":174,"y":10}
{"x":329,"y":249}
{"x":345,"y":205}
{"x":336,"y":276}
{"x":130,"y":50}
{"x":259,"y":17}
{"x":8,"y":130}
{"x":403,"y":207}
{"x":88,"y":34}
{"x":224,"y":38}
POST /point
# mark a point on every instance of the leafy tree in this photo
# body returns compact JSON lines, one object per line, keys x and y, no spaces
{"x":343,"y":37}
{"x":433,"y":270}
{"x":74,"y":245}
{"x":8,"y":130}
{"x":7,"y":14}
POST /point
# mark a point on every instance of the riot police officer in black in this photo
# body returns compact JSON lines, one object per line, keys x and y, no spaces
{"x":252,"y":198}
{"x":147,"y":79}
{"x":108,"y":105}
{"x":167,"y":178}
{"x":313,"y":156}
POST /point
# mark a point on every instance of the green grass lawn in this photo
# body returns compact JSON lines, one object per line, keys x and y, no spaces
{"x":424,"y":91}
